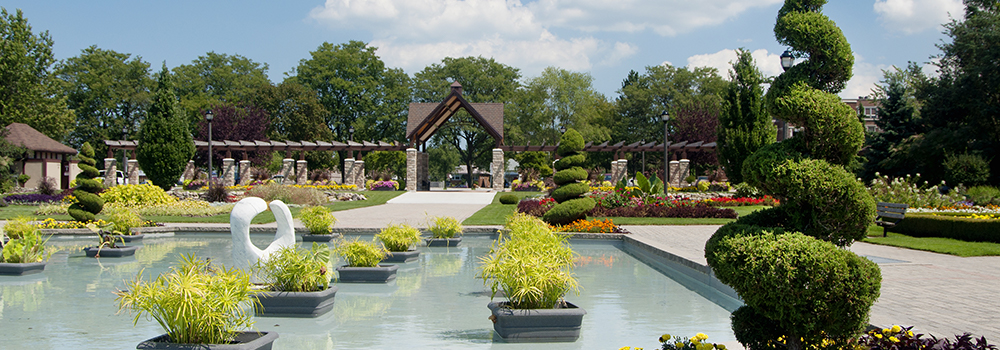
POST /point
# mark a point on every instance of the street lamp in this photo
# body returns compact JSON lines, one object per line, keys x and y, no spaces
{"x":350,"y":153}
{"x":787,"y":60}
{"x":208,"y":117}
{"x":124,"y":158}
{"x":562,"y":129}
{"x":665,"y":117}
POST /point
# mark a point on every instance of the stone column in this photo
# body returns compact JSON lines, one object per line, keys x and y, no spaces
{"x":675,"y":173}
{"x":228,"y":171}
{"x":110,"y":168}
{"x":301,"y":172}
{"x":349,"y":172}
{"x":411,"y":169}
{"x":622,"y":165}
{"x":188,"y":171}
{"x":359,"y":173}
{"x":133,"y":171}
{"x":497,"y":168}
{"x":287,"y":170}
{"x":245,"y":176}
{"x":423,"y":171}
{"x":685,"y":169}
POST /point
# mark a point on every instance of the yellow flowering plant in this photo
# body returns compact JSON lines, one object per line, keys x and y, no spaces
{"x":697,"y":342}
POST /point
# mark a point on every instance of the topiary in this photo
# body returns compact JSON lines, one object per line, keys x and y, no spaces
{"x":88,"y":203}
{"x":569,"y":195}
{"x":508,"y":199}
{"x":786,"y":262}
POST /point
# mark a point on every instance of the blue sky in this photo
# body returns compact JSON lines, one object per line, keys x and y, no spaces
{"x":601,"y":37}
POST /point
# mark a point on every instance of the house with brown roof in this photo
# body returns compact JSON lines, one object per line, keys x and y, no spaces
{"x":44,"y":157}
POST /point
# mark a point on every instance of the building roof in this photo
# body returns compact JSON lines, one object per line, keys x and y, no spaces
{"x":424,"y":119}
{"x":25,"y":136}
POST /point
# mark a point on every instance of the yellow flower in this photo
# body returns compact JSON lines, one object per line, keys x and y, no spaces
{"x":679,"y":345}
{"x":720,"y":346}
{"x":896,"y":328}
{"x":909,"y":333}
{"x":893,"y":339}
{"x":625,"y":348}
{"x":701,"y":336}
{"x":878,"y":335}
{"x":695,"y":340}
{"x":664,"y":338}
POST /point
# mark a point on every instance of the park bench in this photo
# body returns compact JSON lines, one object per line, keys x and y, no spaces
{"x":889,"y":214}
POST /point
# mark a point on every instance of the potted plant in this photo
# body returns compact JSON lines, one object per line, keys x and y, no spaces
{"x":532,"y":266}
{"x":297,"y":282}
{"x":124,"y":221}
{"x":319,"y":221}
{"x":363,"y":259}
{"x":108,"y":244}
{"x":196,"y":304}
{"x":25,"y":252}
{"x":399,"y":241}
{"x":444,"y":232}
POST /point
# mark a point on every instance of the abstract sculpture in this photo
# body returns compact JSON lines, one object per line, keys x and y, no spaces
{"x":245,"y":253}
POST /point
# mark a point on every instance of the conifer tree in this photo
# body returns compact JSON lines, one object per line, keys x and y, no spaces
{"x":165,"y":143}
{"x":744,"y":125}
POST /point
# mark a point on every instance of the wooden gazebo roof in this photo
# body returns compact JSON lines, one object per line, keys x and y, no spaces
{"x":425,"y":119}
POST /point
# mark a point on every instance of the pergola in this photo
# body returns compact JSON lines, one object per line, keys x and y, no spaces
{"x":268,"y":146}
{"x":675,"y":147}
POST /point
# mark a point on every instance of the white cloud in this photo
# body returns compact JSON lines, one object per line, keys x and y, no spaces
{"x":913,"y":16}
{"x":768,"y":63}
{"x":866,"y":76}
{"x":664,"y":17}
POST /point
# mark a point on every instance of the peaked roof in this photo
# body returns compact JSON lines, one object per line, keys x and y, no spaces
{"x":25,"y":136}
{"x":424,"y":119}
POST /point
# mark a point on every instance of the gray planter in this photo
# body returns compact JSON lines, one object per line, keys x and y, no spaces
{"x":130,"y":238}
{"x":295,"y":304}
{"x":379,"y":274}
{"x":318,"y":238}
{"x":542,"y":325}
{"x":20,"y":269}
{"x":444,"y":242}
{"x":402,"y":257}
{"x":243,"y":341}
{"x":95,"y":252}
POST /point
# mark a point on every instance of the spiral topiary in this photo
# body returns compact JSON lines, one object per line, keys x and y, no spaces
{"x":786,"y":262}
{"x":88,"y":202}
{"x":572,"y":205}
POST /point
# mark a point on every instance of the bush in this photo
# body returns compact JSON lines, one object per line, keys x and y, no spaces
{"x":47,"y":186}
{"x":398,"y":238}
{"x":569,"y":211}
{"x":19,"y":227}
{"x":124,"y":220}
{"x":318,"y":220}
{"x":137,"y":196}
{"x":569,"y":176}
{"x":217,"y":192}
{"x":291,"y":269}
{"x":571,"y":161}
{"x":288,"y":194}
{"x":445,"y":227}
{"x":508,"y":199}
{"x":570,"y":191}
{"x":361,"y":253}
{"x":966,"y":169}
{"x":963,"y":229}
{"x":744,"y":190}
{"x":911,"y":191}
{"x":88,"y":203}
{"x":26,"y":244}
{"x":534,"y":206}
{"x":983,"y":195}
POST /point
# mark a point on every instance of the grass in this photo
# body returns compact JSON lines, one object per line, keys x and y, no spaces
{"x":496,"y":213}
{"x":933,"y":244}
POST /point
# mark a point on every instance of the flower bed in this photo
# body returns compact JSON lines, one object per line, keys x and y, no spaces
{"x":741,"y":201}
{"x":390,"y":185}
{"x":590,"y":226}
{"x":665,"y":211}
{"x":620,"y":204}
{"x":33,"y":199}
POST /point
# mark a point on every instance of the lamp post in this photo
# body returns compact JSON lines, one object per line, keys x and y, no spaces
{"x":562,"y":129}
{"x":665,"y":117}
{"x":787,"y":60}
{"x":350,"y":130}
{"x":643,"y":142}
{"x":124,"y":158}
{"x":208,"y":117}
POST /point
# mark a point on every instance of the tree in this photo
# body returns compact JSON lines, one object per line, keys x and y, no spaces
{"x":165,"y":143}
{"x":8,"y":154}
{"x":442,"y":161}
{"x":215,"y":78}
{"x":697,"y":120}
{"x":744,"y":125}
{"x":555,"y":98}
{"x":483,"y":80}
{"x":898,"y":119}
{"x":109,"y":93}
{"x":28,"y":92}
{"x":296,"y":114}
{"x":234,"y":123}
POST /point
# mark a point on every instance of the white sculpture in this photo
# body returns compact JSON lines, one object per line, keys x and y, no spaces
{"x":245,"y":254}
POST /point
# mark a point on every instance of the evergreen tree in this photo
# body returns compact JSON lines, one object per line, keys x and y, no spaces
{"x":897,"y":117}
{"x":744,"y":125}
{"x":88,"y":203}
{"x":165,"y":143}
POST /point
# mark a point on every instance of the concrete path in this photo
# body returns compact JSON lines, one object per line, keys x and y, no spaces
{"x":414,"y":208}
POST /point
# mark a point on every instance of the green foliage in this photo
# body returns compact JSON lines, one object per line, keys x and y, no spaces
{"x":744,"y":190}
{"x":966,"y":169}
{"x":570,"y":191}
{"x":509,"y":199}
{"x":88,"y":203}
{"x":570,"y":175}
{"x":288,"y":194}
{"x":755,"y":331}
{"x":292,"y":269}
{"x":124,"y":220}
{"x":19,"y":227}
{"x":576,"y":160}
{"x":194,"y":302}
{"x":570,"y":143}
{"x":26,"y":244}
{"x":983,"y":195}
{"x":744,"y":124}
{"x":398,"y":237}
{"x":216,"y":78}
{"x":569,"y":211}
{"x":318,"y":220}
{"x":557,"y":96}
{"x":360,"y":253}
{"x":964,"y":229}
{"x":447,"y":226}
{"x":137,"y":196}
{"x":165,"y":143}
{"x":898,"y":119}
{"x":533,"y":266}
{"x":539,"y":161}
{"x":442,"y":161}
{"x":910,"y":190}
{"x":386,"y":162}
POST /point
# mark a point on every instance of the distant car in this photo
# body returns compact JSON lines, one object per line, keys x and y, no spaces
{"x":119,"y":177}
{"x":607,"y":177}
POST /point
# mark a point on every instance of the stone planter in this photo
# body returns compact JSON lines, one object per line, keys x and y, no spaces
{"x":444,"y":242}
{"x":130,"y":238}
{"x":402,"y":257}
{"x":295,"y":304}
{"x":379,"y":274}
{"x":243,"y":341}
{"x":559,"y":324}
{"x":95,"y":252}
{"x":20,"y":269}
{"x":318,"y":238}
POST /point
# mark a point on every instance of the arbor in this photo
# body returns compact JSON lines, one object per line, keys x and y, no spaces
{"x":165,"y":143}
{"x":28,"y":91}
{"x":215,"y":78}
{"x":744,"y":124}
{"x":108,"y":91}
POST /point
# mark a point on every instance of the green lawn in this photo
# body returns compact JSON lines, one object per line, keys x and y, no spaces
{"x":496,"y":213}
{"x":933,"y":244}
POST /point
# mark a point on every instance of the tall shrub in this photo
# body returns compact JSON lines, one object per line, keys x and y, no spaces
{"x":570,"y":179}
{"x":88,"y":203}
{"x":744,"y":125}
{"x":165,"y":143}
{"x":793,"y":283}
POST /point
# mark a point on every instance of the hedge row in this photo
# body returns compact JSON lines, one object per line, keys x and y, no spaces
{"x":965,"y":229}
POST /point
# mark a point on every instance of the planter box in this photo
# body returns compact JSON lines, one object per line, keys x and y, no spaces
{"x":20,"y":269}
{"x":380,"y":274}
{"x":560,"y":324}
{"x":402,"y":257}
{"x":106,"y":252}
{"x":295,"y":304}
{"x":318,"y":238}
{"x":444,"y":242}
{"x":243,"y":341}
{"x":130,"y":238}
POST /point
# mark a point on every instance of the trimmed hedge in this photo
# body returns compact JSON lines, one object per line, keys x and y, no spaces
{"x":570,"y":191}
{"x":964,"y":229}
{"x":508,"y":199}
{"x":569,"y":175}
{"x":570,"y":161}
{"x":569,"y":211}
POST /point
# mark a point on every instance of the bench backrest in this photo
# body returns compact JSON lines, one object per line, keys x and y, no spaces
{"x":890,"y":210}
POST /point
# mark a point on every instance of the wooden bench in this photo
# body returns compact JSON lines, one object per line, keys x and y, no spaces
{"x":889,"y":214}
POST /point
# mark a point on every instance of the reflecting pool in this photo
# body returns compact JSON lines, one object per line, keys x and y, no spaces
{"x":435,"y":303}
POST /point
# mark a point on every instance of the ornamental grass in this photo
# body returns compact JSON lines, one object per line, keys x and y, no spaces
{"x":360,"y":253}
{"x":288,"y":194}
{"x":445,"y":227}
{"x":292,"y":269}
{"x":318,"y":220}
{"x":399,"y":237}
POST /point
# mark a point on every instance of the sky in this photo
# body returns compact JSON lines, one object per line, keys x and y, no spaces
{"x":604,"y":38}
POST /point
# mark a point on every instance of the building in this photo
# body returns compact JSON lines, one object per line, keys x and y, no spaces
{"x":43,"y":158}
{"x":870,"y":106}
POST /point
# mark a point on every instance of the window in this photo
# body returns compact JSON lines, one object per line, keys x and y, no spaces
{"x":871,"y":111}
{"x":871,"y":128}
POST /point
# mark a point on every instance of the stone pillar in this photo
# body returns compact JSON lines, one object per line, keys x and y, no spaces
{"x":675,"y":173}
{"x":287,"y":170}
{"x":133,"y":171}
{"x":497,"y":168}
{"x":411,"y":169}
{"x":228,"y":172}
{"x":359,"y":173}
{"x":110,"y":168}
{"x":188,"y":171}
{"x":423,"y":171}
{"x":245,"y":176}
{"x":349,"y":172}
{"x":620,"y":172}
{"x":301,"y":172}
{"x":685,"y":169}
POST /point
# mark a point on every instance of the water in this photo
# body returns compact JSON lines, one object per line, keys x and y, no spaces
{"x":435,"y":303}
